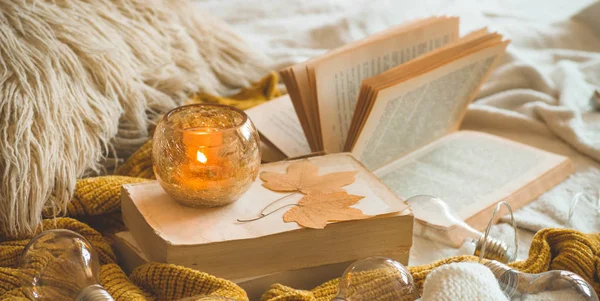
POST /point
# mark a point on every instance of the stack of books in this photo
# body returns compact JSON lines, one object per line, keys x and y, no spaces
{"x":211,"y":240}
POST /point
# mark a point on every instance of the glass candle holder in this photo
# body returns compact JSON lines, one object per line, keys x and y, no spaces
{"x":205,"y":155}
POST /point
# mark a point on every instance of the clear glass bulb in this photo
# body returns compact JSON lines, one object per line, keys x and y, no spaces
{"x":376,"y":279}
{"x":61,"y":265}
{"x":551,"y":285}
{"x":436,"y":221}
{"x":595,"y":200}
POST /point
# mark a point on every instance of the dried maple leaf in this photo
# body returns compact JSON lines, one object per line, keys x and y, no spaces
{"x":303,"y":176}
{"x":315,"y":210}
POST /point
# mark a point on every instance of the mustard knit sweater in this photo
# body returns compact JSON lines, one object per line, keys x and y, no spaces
{"x":94,"y":212}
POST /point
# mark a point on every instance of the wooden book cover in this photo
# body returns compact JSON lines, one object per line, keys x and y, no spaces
{"x":211,"y":240}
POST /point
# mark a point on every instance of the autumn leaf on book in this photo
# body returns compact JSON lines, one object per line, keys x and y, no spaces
{"x":325,"y":198}
{"x":315,"y":210}
{"x":303,"y":177}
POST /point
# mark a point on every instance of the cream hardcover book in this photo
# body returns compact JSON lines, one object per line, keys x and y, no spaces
{"x":396,"y":100}
{"x":213,"y":241}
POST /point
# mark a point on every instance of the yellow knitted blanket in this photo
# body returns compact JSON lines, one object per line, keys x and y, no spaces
{"x":94,"y":212}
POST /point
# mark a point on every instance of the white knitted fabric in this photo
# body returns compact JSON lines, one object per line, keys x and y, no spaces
{"x":467,"y":281}
{"x":462,"y":281}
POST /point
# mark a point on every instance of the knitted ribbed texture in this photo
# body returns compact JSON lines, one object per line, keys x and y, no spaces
{"x":10,"y":283}
{"x":116,"y":283}
{"x":139,"y":164}
{"x":10,"y":248}
{"x":467,"y":281}
{"x":551,"y":249}
{"x":171,"y":282}
{"x":257,"y":94}
{"x":96,"y":202}
{"x":100,"y":195}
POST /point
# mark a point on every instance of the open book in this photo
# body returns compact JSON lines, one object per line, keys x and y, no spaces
{"x":395,"y":100}
{"x":340,"y":96}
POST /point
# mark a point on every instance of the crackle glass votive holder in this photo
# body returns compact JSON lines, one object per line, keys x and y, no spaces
{"x":205,"y":155}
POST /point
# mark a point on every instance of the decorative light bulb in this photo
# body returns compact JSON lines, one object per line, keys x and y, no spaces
{"x":436,"y":221}
{"x":61,"y":265}
{"x":595,"y":200}
{"x":551,"y":285}
{"x":376,"y":279}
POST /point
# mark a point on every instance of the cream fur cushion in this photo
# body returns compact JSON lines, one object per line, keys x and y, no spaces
{"x":79,"y":79}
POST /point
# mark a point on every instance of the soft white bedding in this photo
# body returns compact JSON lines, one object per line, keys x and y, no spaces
{"x":538,"y":96}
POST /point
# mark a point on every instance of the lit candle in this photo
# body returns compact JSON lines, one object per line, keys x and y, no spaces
{"x":204,"y":170}
{"x":205,"y":155}
{"x":202,"y":145}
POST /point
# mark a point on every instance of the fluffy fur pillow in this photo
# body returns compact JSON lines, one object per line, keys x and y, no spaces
{"x":79,"y":79}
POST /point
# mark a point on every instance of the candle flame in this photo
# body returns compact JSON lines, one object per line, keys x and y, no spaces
{"x":201,"y":157}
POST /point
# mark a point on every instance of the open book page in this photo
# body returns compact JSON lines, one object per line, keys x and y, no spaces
{"x":296,"y":81}
{"x":471,"y":171}
{"x":339,"y":77}
{"x":300,"y":86}
{"x":420,"y":110}
{"x":276,"y":120}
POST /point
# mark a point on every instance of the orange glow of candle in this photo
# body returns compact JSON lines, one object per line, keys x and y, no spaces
{"x":202,"y":145}
{"x":204,"y":170}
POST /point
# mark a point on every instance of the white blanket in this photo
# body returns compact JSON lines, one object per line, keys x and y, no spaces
{"x":540,"y":95}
